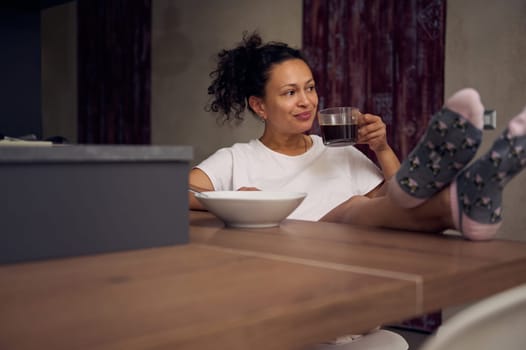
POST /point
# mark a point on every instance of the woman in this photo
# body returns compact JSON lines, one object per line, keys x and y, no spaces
{"x":430,"y":191}
{"x":426,"y":193}
{"x":287,"y":103}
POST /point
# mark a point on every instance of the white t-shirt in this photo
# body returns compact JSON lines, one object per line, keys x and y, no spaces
{"x":329,"y":175}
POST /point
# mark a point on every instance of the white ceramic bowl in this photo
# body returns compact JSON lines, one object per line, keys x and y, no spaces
{"x":251,"y":208}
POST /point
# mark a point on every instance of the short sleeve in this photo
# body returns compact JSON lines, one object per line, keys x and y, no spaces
{"x":366,"y":174}
{"x":218,"y":167}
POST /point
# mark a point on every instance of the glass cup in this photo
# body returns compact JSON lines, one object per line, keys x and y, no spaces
{"x":339,"y":125}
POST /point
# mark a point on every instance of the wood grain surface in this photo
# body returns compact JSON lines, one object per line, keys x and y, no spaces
{"x":274,"y":288}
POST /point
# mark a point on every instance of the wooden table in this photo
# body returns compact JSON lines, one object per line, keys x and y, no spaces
{"x":277,"y":288}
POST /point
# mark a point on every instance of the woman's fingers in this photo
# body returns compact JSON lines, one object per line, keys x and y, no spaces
{"x":371,"y":122}
{"x":372,"y":132}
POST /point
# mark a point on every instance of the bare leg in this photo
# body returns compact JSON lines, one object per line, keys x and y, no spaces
{"x":421,"y":183}
{"x":433,"y":215}
{"x":471,"y":204}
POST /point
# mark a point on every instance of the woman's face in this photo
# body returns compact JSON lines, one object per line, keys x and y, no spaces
{"x":290,"y":101}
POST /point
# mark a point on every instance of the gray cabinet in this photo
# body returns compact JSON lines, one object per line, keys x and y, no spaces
{"x":67,"y":200}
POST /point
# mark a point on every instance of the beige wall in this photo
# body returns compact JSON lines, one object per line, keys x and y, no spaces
{"x":186,"y":36}
{"x":485,"y":49}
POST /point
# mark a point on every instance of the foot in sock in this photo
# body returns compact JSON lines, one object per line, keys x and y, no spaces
{"x":476,"y":194}
{"x":450,"y":142}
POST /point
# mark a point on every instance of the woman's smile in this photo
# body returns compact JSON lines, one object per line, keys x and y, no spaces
{"x":305,"y":116}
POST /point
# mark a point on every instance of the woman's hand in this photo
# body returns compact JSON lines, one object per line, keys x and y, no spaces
{"x":372,"y":131}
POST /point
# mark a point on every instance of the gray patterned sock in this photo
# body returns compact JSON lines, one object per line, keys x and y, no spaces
{"x":476,"y":194}
{"x":450,"y":142}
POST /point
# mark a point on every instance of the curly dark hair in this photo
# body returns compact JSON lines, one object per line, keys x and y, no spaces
{"x":243,"y":72}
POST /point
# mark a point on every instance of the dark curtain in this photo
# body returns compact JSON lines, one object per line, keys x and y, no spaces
{"x":385,"y":57}
{"x":114,"y":70}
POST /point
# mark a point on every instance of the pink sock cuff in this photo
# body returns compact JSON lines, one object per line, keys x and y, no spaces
{"x":470,"y":229}
{"x":453,"y":199}
{"x":476,"y":231}
{"x":466,"y":102}
{"x":517,"y":126}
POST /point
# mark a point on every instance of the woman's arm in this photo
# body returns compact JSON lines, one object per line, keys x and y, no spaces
{"x":373,"y":133}
{"x":198,"y":181}
{"x":388,"y":162}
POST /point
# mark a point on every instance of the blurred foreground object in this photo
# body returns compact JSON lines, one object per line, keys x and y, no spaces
{"x":496,"y":322}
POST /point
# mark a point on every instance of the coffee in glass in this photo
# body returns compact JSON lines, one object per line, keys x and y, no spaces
{"x":339,"y":125}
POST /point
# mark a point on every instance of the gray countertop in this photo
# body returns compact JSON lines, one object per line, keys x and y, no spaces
{"x":94,"y":153}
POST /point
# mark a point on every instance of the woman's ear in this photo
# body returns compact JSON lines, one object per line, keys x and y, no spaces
{"x":256,"y":103}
